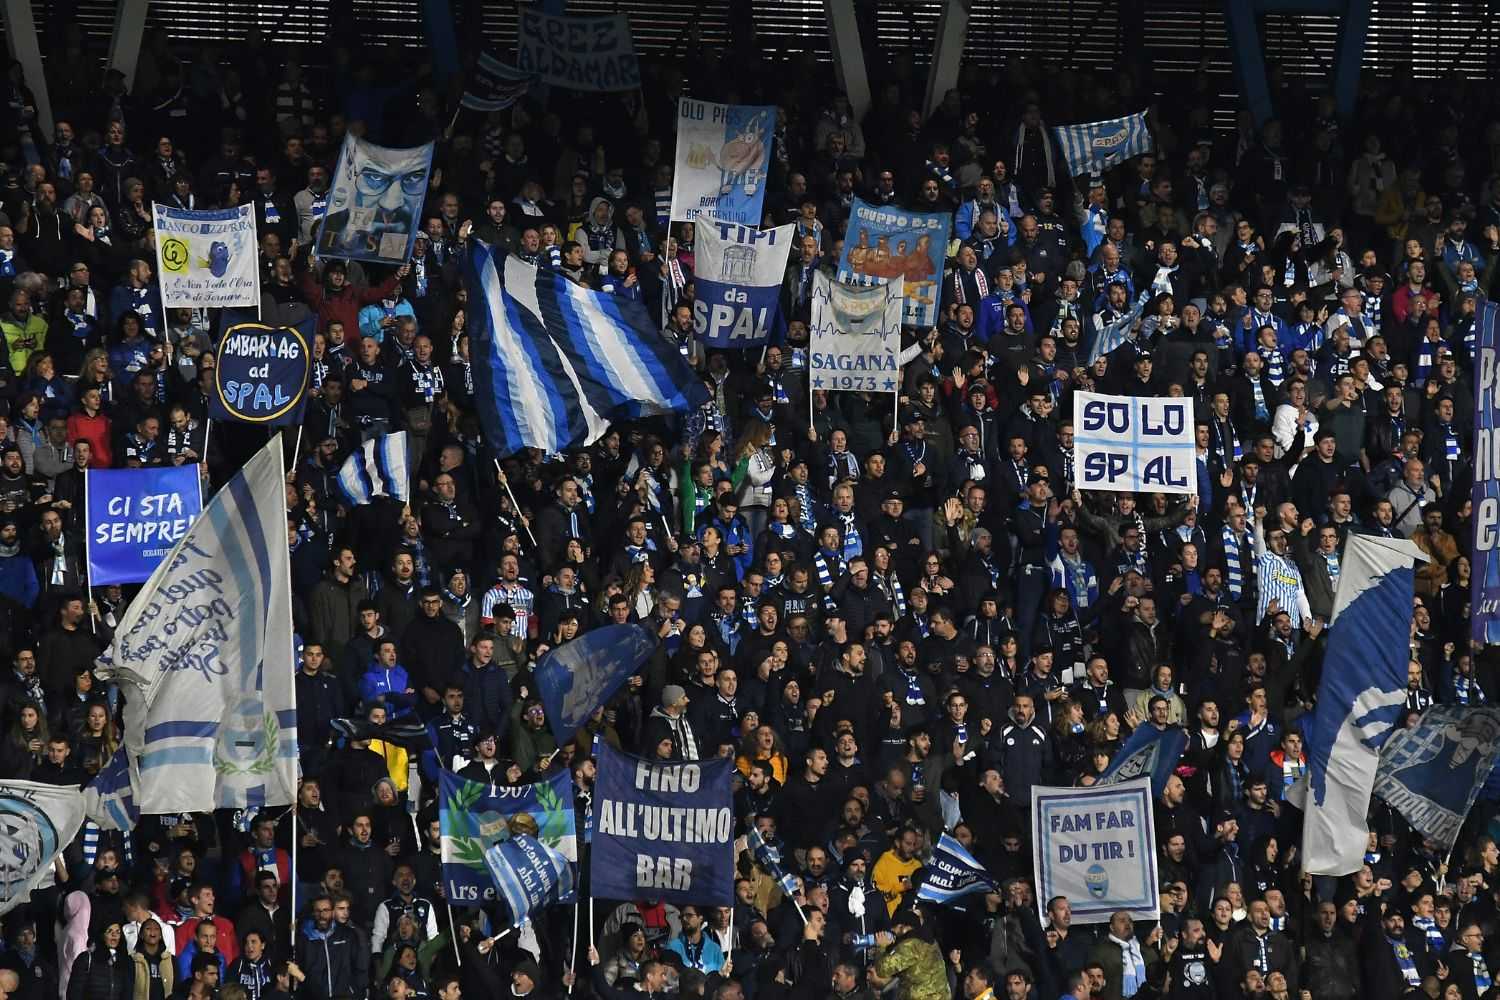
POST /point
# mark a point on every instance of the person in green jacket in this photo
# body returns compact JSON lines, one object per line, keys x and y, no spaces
{"x":908,"y":955}
{"x":25,"y":331}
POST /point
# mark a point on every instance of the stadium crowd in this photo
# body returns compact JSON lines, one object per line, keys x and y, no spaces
{"x":895,"y":628}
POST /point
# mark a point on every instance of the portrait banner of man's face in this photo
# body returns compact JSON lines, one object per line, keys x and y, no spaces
{"x":375,"y":204}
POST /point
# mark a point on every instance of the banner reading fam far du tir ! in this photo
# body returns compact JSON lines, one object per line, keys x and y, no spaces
{"x":1096,"y":846}
{"x":1129,"y":444}
{"x":1484,"y":598}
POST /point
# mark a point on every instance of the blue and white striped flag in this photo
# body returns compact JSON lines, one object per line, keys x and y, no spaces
{"x":770,"y":859}
{"x":528,"y":875}
{"x":1096,"y":146}
{"x":555,"y":363}
{"x":952,"y":873}
{"x":381,"y":467}
{"x":206,"y":650}
{"x":494,"y":85}
{"x":109,"y":800}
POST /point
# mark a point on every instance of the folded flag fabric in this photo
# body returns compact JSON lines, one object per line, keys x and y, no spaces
{"x":952,"y":873}
{"x":769,"y":858}
{"x":380,"y":467}
{"x":109,"y":800}
{"x":528,"y":875}
{"x":555,"y":363}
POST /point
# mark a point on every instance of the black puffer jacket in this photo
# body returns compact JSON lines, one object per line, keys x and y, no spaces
{"x":101,"y":974}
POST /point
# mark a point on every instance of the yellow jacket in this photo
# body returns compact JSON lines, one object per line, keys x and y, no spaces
{"x":889,"y":871}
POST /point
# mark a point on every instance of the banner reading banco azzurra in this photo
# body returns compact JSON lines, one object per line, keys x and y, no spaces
{"x":1484,"y":596}
{"x":1096,"y":846}
{"x":375,"y":203}
{"x":207,"y":260}
{"x":892,"y":244}
{"x":738,"y":271}
{"x":723,"y":153}
{"x":577,"y":53}
{"x":134,"y":518}
{"x":473,"y":817}
{"x":262,"y":375}
{"x":663,"y":830}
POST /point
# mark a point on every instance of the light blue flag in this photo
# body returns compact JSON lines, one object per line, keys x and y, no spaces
{"x":1360,"y":699}
{"x":109,"y":800}
{"x":555,"y":363}
{"x":380,"y":467}
{"x":1149,"y":751}
{"x":579,"y":676}
{"x":770,"y":859}
{"x":1096,"y":146}
{"x":1432,"y":774}
{"x":528,"y":875}
{"x":952,"y":873}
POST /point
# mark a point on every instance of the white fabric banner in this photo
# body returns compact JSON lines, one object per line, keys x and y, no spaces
{"x":207,"y":260}
{"x":36,"y":823}
{"x":738,"y":271}
{"x":856,"y":336}
{"x":1134,"y":444}
{"x":1096,"y":846}
{"x":207,"y":646}
{"x":723,"y":154}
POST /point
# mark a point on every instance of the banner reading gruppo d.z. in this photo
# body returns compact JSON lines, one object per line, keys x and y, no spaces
{"x":1484,"y":597}
{"x":890,"y":245}
{"x":663,"y":831}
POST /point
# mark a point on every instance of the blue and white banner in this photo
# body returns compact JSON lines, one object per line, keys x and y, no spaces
{"x":905,"y":248}
{"x":1361,"y":697}
{"x":494,"y":85}
{"x":379,"y":467}
{"x":206,"y":649}
{"x":473,"y":817}
{"x":856,"y":336}
{"x":109,"y":800}
{"x":1096,"y":846}
{"x":738,"y":272}
{"x":952,"y":873}
{"x":1149,"y":752}
{"x":37,"y":822}
{"x":769,"y":858}
{"x":135,"y":517}
{"x":577,"y":53}
{"x":1094,"y":147}
{"x":375,"y":202}
{"x":555,"y":363}
{"x":1134,"y":444}
{"x":262,"y":375}
{"x":1433,"y":773}
{"x":207,"y":260}
{"x":723,"y":154}
{"x":663,"y":831}
{"x":1484,"y":596}
{"x":528,"y":875}
{"x":584,"y":673}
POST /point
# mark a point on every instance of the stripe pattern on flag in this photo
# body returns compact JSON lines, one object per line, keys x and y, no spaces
{"x":381,"y":466}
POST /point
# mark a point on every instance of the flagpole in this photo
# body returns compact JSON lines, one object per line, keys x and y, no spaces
{"x":573,"y":950}
{"x":516,"y":506}
{"x":453,"y":930}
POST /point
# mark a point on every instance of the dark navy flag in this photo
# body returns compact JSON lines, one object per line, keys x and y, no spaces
{"x":1432,"y":773}
{"x":579,"y":676}
{"x":494,"y":85}
{"x":528,"y":875}
{"x":1149,"y":751}
{"x":952,"y":874}
{"x":663,"y":830}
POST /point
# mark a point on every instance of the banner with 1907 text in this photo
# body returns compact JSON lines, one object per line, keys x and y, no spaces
{"x":1484,"y":597}
{"x":663,"y":830}
{"x":474,"y":816}
{"x":134,"y":518}
{"x":1097,"y":847}
{"x":1134,"y":444}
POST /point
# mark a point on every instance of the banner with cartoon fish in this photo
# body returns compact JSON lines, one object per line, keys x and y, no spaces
{"x":207,"y":259}
{"x":723,"y":153}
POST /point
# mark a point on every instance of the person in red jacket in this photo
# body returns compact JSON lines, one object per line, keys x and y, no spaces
{"x":90,"y":423}
{"x":336,"y":300}
{"x":201,"y":896}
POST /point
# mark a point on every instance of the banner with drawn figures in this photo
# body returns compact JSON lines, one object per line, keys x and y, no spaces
{"x":1484,"y":596}
{"x":262,"y":375}
{"x":738,"y":271}
{"x":135,"y":516}
{"x":723,"y":153}
{"x":856,"y":336}
{"x":577,"y":53}
{"x":893,"y":245}
{"x":207,"y":260}
{"x":1134,"y":444}
{"x":375,"y":203}
{"x":474,"y":816}
{"x":1097,"y":847}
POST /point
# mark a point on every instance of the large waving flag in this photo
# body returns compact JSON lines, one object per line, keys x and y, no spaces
{"x":1096,"y":146}
{"x":109,"y":800}
{"x":37,"y":822}
{"x":1432,"y":774}
{"x":206,"y":651}
{"x":579,"y":676}
{"x":494,"y":85}
{"x":1360,"y":699}
{"x":1148,"y":751}
{"x":953,"y":873}
{"x":555,"y":363}
{"x":528,"y":875}
{"x":380,"y":467}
